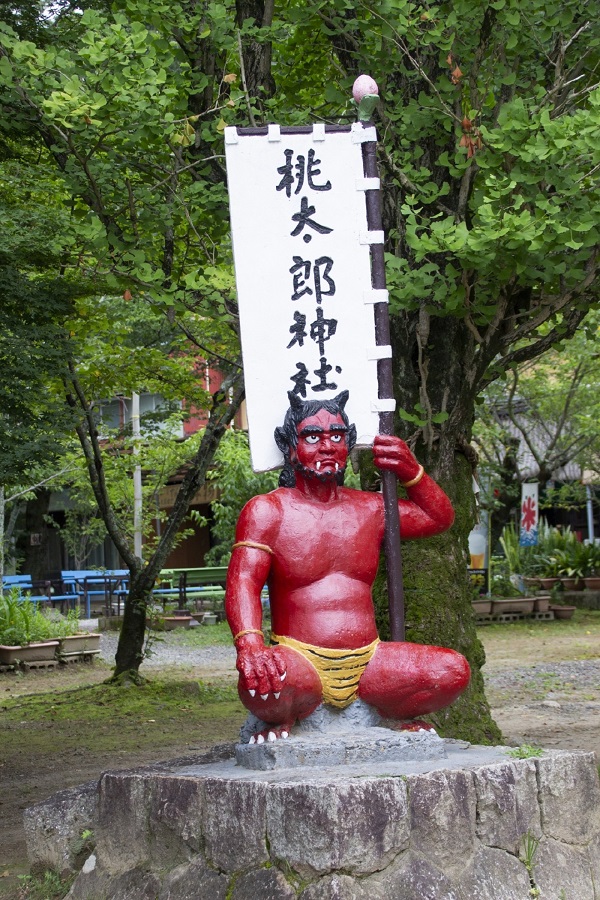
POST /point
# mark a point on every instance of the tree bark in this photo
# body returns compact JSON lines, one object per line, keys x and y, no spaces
{"x":437,"y":592}
{"x":130,"y":649}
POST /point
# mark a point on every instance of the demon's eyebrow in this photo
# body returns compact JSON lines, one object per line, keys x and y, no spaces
{"x":316,"y":429}
{"x":311,"y":429}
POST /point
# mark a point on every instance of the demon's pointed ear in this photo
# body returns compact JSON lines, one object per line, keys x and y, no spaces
{"x":281,"y":441}
{"x":296,"y":402}
{"x":351,"y":437}
{"x":341,"y":399}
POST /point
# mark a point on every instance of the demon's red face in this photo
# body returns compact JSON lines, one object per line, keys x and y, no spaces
{"x":322,"y":445}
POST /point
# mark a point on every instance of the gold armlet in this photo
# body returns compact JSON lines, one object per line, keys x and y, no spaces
{"x":414,"y":480}
{"x":253,"y":545}
{"x":247,"y":631}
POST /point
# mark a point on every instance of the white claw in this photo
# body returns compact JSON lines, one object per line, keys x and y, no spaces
{"x":337,"y":467}
{"x":263,"y":696}
{"x":318,"y":465}
{"x":283,"y":676}
{"x":252,"y":739}
{"x":277,"y":695}
{"x":252,"y":693}
{"x":260,"y":739}
{"x":284,"y":735}
{"x":271,"y":736}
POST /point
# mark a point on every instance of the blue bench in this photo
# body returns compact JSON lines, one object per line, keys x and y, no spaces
{"x":88,"y":583}
{"x":43,"y":591}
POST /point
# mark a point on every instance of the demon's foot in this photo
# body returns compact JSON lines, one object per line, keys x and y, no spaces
{"x":416,"y":725}
{"x":274,"y":733}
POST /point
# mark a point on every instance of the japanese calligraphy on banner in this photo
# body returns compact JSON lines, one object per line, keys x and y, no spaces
{"x":528,"y":535}
{"x":302,"y":264}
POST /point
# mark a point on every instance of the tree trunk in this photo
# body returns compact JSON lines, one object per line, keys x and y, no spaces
{"x":130,"y":650}
{"x":437,"y":592}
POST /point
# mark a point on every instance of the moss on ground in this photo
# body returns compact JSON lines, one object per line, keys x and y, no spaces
{"x":110,"y":717}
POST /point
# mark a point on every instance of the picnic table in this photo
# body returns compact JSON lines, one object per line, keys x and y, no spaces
{"x":87,"y":584}
{"x":205,"y":585}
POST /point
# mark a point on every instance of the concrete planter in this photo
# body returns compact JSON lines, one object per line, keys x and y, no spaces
{"x":592,"y":583}
{"x":542,"y":604}
{"x":513,"y":605}
{"x":43,"y":652}
{"x":172,"y":622}
{"x":84,"y":644}
{"x":482,"y":607}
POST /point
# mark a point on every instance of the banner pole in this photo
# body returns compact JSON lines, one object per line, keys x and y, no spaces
{"x":363,"y":93}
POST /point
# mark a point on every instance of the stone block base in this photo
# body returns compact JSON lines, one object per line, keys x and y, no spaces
{"x":475,"y":825}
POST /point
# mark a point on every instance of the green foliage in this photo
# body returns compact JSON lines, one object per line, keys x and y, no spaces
{"x":22,"y":622}
{"x":49,"y":886}
{"x":489,"y":122}
{"x":539,"y":419}
{"x":34,"y":421}
{"x":237,"y":484}
{"x":558,"y":552}
{"x":525,"y":751}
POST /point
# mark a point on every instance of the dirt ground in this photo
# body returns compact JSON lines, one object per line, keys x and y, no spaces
{"x":543,"y":685}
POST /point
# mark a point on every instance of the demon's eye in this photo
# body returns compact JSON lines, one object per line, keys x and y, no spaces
{"x":312,"y":438}
{"x":336,"y":438}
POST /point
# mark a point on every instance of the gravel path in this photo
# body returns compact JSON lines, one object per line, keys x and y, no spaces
{"x":584,"y":673}
{"x":167,"y":652}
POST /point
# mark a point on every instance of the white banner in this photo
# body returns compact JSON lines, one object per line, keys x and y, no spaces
{"x":530,"y":514}
{"x":302,"y":264}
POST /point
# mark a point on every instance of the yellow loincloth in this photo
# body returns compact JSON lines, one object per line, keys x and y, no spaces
{"x":338,"y":670}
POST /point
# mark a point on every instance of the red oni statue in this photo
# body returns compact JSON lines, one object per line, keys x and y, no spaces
{"x":317,"y":544}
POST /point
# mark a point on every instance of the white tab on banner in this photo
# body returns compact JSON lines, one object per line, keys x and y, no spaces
{"x":274,"y":133}
{"x":231,"y":135}
{"x":383,"y":405}
{"x":376,"y":296}
{"x":368,"y":184}
{"x":382,"y":352}
{"x":371,"y":237}
{"x":318,"y":132}
{"x":362,"y":135}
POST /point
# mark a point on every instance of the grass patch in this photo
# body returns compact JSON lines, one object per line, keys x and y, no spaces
{"x":202,"y":636}
{"x":105,"y":717}
{"x":584,"y":621}
{"x":49,"y":886}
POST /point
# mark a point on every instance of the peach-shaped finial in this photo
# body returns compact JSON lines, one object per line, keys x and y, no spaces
{"x":363,"y":86}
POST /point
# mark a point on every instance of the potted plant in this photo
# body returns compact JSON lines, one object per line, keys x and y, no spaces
{"x":550,"y":573}
{"x":73,"y":643}
{"x":482,"y":605}
{"x":591,"y":566}
{"x":26,"y":635}
{"x":562,"y":612}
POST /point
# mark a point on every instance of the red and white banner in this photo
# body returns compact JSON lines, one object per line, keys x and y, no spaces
{"x":530,"y":515}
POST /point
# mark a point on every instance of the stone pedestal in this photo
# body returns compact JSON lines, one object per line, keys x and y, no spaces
{"x":473,"y":824}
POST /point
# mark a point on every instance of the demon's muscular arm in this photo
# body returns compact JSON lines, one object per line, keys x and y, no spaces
{"x":262,"y":668}
{"x":428,"y":510}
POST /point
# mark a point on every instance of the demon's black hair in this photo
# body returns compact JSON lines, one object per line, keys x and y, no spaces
{"x":286,"y":437}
